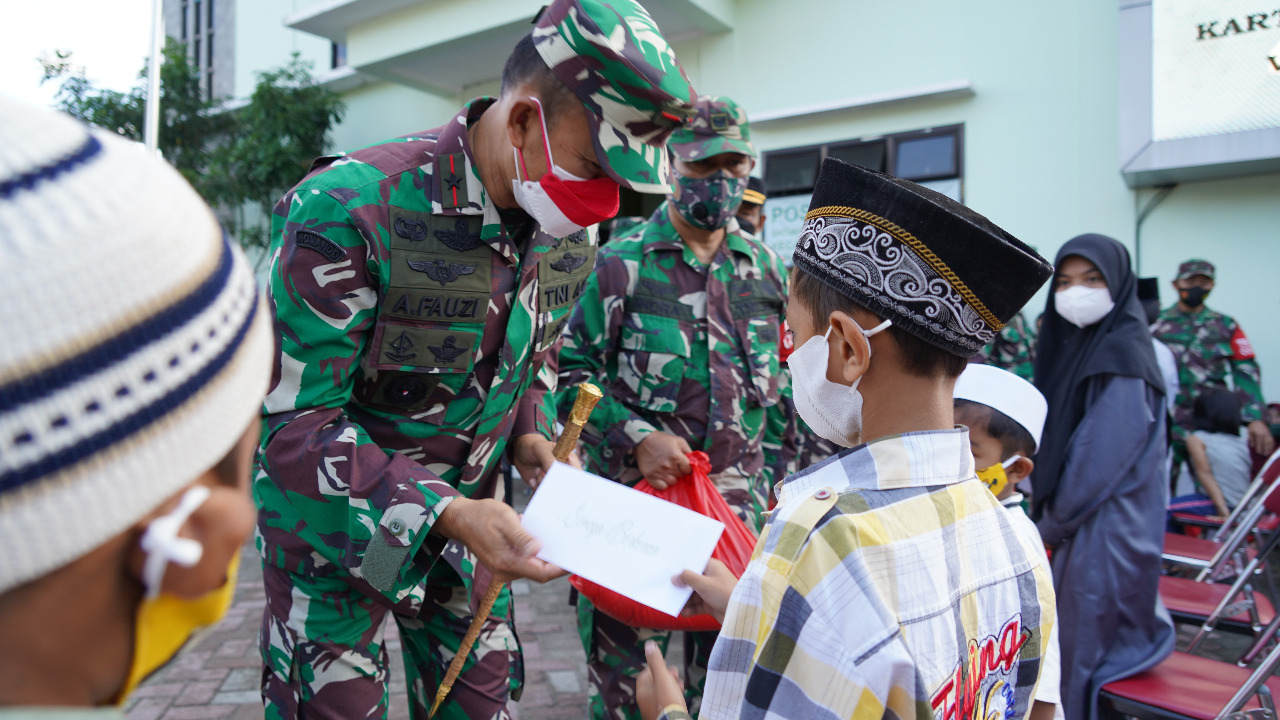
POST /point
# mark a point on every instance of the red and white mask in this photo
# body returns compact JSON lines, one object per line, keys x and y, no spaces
{"x":560,"y":201}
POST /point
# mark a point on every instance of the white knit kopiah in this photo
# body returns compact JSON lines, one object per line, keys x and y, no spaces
{"x":134,"y":351}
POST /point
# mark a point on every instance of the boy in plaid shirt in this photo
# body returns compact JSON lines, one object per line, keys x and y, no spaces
{"x":888,"y":582}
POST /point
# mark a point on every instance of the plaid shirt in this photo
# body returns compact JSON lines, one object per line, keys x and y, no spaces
{"x":888,"y":583}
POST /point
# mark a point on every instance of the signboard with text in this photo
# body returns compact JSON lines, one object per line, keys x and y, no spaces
{"x":784,"y":220}
{"x":1215,"y":67}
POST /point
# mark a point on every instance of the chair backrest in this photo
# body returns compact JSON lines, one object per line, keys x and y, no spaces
{"x":1246,"y":521}
{"x":1272,"y":499}
{"x":1267,"y":475}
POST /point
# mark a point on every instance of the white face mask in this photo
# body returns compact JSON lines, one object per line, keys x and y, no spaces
{"x":831,"y":410}
{"x":1082,"y":306}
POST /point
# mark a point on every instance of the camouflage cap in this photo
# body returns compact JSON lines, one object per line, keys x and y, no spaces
{"x":1194,"y":267}
{"x":612,"y":55}
{"x":719,"y":126}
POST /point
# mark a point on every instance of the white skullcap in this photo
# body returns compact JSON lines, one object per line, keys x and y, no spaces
{"x":135,"y":349}
{"x":1002,"y":390}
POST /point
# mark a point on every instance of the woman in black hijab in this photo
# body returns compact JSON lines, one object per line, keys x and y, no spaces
{"x":1099,"y":481}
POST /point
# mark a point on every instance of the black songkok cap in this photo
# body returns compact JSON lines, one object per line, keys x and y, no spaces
{"x":937,"y":269}
{"x":756,"y":193}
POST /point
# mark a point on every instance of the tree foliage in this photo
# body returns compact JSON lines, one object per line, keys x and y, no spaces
{"x":235,"y":157}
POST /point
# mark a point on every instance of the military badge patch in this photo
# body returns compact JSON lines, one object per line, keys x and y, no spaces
{"x":332,"y":251}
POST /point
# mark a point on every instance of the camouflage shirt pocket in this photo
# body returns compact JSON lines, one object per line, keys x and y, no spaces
{"x":764,"y":363}
{"x":651,"y":362}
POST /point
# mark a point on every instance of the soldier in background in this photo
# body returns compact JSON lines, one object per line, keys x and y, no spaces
{"x":679,"y":325}
{"x":420,"y":287}
{"x":1013,"y":349}
{"x":1210,"y":347}
{"x":751,"y":212}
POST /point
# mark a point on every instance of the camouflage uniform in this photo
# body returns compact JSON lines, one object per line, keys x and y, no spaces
{"x":418,"y":326}
{"x":1013,"y":349}
{"x":693,"y":351}
{"x":811,"y":448}
{"x":1209,"y":347}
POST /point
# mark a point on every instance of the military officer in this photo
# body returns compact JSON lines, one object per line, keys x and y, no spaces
{"x":1013,"y":349}
{"x":679,"y":325}
{"x":1209,"y":347}
{"x":420,"y":286}
{"x":751,"y":212}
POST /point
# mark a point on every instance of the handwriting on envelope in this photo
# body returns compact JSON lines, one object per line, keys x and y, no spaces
{"x":614,"y":536}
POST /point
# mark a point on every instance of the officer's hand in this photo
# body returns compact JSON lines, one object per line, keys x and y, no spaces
{"x":711,"y":590}
{"x":661,"y":457}
{"x":492,"y":530}
{"x":532,"y":456}
{"x":1260,"y":438}
{"x":657,"y":687}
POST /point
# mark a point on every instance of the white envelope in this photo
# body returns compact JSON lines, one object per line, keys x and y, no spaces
{"x":620,"y":538}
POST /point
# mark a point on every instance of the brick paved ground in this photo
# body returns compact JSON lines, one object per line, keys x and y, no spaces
{"x":218,"y":676}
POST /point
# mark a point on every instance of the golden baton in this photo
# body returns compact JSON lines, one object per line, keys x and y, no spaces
{"x":583,"y":404}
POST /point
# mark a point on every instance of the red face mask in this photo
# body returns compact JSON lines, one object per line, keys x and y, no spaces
{"x":561,"y":202}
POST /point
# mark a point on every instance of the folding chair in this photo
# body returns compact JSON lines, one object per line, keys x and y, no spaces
{"x":1269,"y":472}
{"x":1237,"y":608}
{"x":1224,"y":556}
{"x":1186,"y":687}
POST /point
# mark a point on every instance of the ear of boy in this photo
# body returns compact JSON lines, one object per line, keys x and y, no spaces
{"x":1017,"y":472}
{"x":849,"y":349}
{"x":220,"y":524}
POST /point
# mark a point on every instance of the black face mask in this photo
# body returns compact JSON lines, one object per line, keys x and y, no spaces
{"x":746,"y":225}
{"x":1193,"y":297}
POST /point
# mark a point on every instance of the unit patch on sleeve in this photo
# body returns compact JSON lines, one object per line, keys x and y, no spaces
{"x":311,"y":240}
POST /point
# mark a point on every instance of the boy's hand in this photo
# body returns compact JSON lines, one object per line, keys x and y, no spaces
{"x":711,"y":590}
{"x":657,"y":687}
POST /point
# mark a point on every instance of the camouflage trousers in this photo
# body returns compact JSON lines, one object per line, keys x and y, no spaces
{"x":324,"y":652}
{"x":615,"y":656}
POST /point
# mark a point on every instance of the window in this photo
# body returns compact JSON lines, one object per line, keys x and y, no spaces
{"x":184,"y":20}
{"x":209,"y":40}
{"x":792,"y":171}
{"x":337,"y":55}
{"x":195,"y":55}
{"x":928,"y":157}
{"x":869,"y":154}
{"x":208,"y":88}
{"x":197,"y":29}
{"x":931,"y":157}
{"x":210,"y":14}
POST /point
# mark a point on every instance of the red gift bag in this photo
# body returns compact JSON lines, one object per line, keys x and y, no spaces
{"x":695,"y":492}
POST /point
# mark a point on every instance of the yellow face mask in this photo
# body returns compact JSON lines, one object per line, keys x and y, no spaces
{"x":995,"y":478}
{"x":165,"y":622}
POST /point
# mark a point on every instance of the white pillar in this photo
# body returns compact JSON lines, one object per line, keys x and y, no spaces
{"x":151,"y":123}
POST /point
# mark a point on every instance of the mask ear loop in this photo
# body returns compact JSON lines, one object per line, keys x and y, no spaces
{"x":519,"y":152}
{"x":546,"y":142}
{"x":162,"y":544}
{"x":1010,"y":461}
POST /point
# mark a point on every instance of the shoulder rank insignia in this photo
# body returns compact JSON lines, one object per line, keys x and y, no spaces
{"x":577,"y":238}
{"x":332,"y":251}
{"x":441,"y":271}
{"x":451,"y":169}
{"x":415,"y":230}
{"x":458,"y":238}
{"x":447,"y":351}
{"x":569,"y":262}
